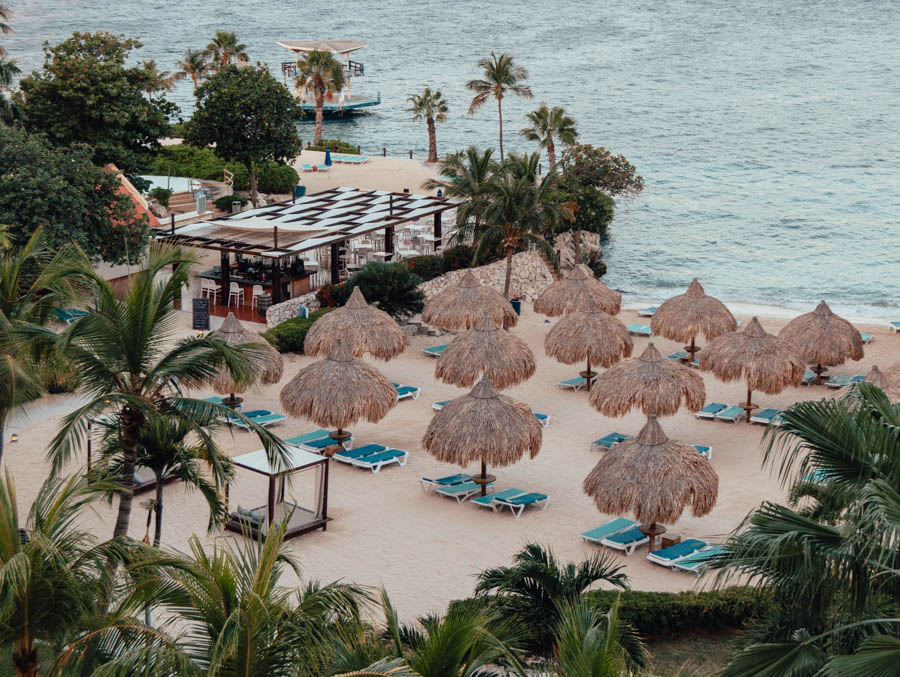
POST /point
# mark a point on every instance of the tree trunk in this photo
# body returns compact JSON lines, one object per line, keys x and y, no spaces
{"x":254,"y":196}
{"x":158,"y":509}
{"x":551,"y":153}
{"x":194,"y":78}
{"x":132,"y":423}
{"x":432,"y":142}
{"x":576,"y":244}
{"x":25,"y":658}
{"x":320,"y":103}
{"x":500,"y":115}
{"x":2,"y":433}
{"x":509,"y":253}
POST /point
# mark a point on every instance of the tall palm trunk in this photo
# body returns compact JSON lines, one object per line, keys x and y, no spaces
{"x":432,"y":141}
{"x":2,"y":432}
{"x":132,"y":424}
{"x":509,"y":253}
{"x":194,"y":78}
{"x":25,"y":658}
{"x":551,"y":152}
{"x":158,"y":511}
{"x":254,"y":195}
{"x":320,"y":103}
{"x":500,"y":115}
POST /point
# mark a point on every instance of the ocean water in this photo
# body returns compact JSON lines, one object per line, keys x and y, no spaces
{"x":767,"y":133}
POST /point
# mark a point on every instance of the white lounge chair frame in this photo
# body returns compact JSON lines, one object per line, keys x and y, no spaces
{"x":378,"y":465}
{"x":628,"y":548}
{"x":517,"y":510}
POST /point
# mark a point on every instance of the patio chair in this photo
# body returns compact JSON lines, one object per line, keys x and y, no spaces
{"x":618,"y":525}
{"x":350,"y":455}
{"x":704,"y":450}
{"x":429,"y":484}
{"x":235,"y":291}
{"x":434,"y":351}
{"x":697,"y":562}
{"x":609,"y":441}
{"x":647,"y":312}
{"x":639,"y":330}
{"x":844,"y":381}
{"x":407,"y":392}
{"x":517,"y":504}
{"x":209,"y":289}
{"x":376,"y":462}
{"x":462,"y":491}
{"x":767,"y":416}
{"x":732,"y":414}
{"x":576,"y":383}
{"x":710,"y":410}
{"x":627,"y":541}
{"x":668,"y":556}
{"x":487,"y":501}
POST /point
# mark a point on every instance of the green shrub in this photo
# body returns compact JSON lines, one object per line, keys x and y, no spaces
{"x":333,"y":295}
{"x":426,"y":267}
{"x":457,"y":258}
{"x":161,"y":195}
{"x":275,"y":178}
{"x":224,"y":203}
{"x":179,"y":130}
{"x":392,"y":287}
{"x":336,"y":146}
{"x":57,"y":375}
{"x":202,"y":163}
{"x":289,"y":336}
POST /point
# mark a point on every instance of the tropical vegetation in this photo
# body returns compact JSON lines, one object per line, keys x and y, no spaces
{"x":194,"y":65}
{"x":225,"y":49}
{"x":547,"y":124}
{"x":501,"y":75}
{"x":392,"y":287}
{"x":431,"y":107}
{"x":9,"y":70}
{"x":320,"y":74}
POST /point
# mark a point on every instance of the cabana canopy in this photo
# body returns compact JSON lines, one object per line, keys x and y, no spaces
{"x":564,"y":295}
{"x":683,"y":317}
{"x":333,"y":46}
{"x":824,"y":338}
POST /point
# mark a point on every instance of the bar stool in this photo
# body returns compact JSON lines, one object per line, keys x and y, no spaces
{"x":209,"y":288}
{"x":256,"y":292}
{"x":236,"y":291}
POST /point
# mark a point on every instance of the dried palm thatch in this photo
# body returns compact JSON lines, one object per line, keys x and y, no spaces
{"x":461,"y":306}
{"x":338,"y":391}
{"x":483,"y":426}
{"x":683,"y":317}
{"x":361,"y":326}
{"x":823,"y":338}
{"x":563,"y":296}
{"x":485,"y":349}
{"x":651,"y":382}
{"x":654,"y":478}
{"x":588,"y":333}
{"x":268,"y":363}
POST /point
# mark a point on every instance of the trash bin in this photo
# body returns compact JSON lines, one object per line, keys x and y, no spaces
{"x":299,"y":191}
{"x":517,"y":305}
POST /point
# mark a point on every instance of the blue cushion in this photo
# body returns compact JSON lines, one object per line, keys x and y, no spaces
{"x":627,"y":537}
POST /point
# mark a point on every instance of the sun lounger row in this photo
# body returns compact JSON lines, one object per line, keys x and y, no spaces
{"x":722,"y":412}
{"x":609,"y":441}
{"x":314,"y":168}
{"x":639,"y":330}
{"x":543,"y":419}
{"x":405,"y":392}
{"x":575,"y":383}
{"x":844,"y":381}
{"x":461,"y":487}
{"x":350,"y":159}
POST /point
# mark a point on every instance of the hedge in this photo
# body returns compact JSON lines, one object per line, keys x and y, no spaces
{"x":202,"y":163}
{"x":223,"y":204}
{"x":289,"y":336}
{"x":335,"y":146}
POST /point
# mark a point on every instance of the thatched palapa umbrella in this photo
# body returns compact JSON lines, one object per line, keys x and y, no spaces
{"x":563,"y":296}
{"x":338,"y":391}
{"x":683,"y":317}
{"x":824,"y":339}
{"x":767,"y":362}
{"x":485,"y":350}
{"x":460,"y":306}
{"x":588,"y":333}
{"x":888,"y":382}
{"x":651,"y":382}
{"x":268,"y":367}
{"x":361,"y":326}
{"x":654,"y":478}
{"x":483,"y":426}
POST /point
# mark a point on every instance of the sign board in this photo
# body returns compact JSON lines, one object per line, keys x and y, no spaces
{"x":201,"y":314}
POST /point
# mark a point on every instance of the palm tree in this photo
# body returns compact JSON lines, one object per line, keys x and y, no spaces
{"x":547,"y":123}
{"x":131,"y":370}
{"x":517,"y":210}
{"x":530,"y":591}
{"x":465,"y":175}
{"x":156,"y":80}
{"x":225,"y":48}
{"x":194,"y":65}
{"x":501,"y":75}
{"x":429,"y":106}
{"x":833,"y":564}
{"x":227,"y":614}
{"x":5,"y":28}
{"x":30,"y":289}
{"x":323,"y":75}
{"x":9,"y":69}
{"x":51,"y":572}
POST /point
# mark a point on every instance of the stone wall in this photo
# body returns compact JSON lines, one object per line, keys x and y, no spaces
{"x":285,"y":311}
{"x":530,"y":276}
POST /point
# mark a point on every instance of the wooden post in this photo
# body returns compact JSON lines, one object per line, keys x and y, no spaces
{"x":410,"y":154}
{"x":384,"y":152}
{"x":358,"y":152}
{"x":335,"y":269}
{"x":174,"y":266}
{"x":325,"y":496}
{"x":225,"y":274}
{"x":271,"y":501}
{"x":437,"y":232}
{"x":276,"y":274}
{"x":89,"y":436}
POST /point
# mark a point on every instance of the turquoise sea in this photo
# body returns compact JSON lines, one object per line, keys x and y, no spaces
{"x":768,"y":132}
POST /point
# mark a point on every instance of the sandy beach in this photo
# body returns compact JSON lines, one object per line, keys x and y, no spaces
{"x":426,"y":549}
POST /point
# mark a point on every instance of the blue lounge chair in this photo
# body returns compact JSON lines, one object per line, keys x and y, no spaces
{"x":299,"y":440}
{"x":640,"y":329}
{"x":844,"y":381}
{"x":809,"y":377}
{"x":895,"y":326}
{"x":732,"y":414}
{"x":817,"y":476}
{"x":487,"y":501}
{"x":376,"y":462}
{"x":319,"y":444}
{"x":349,"y":455}
{"x":543,"y":419}
{"x":435,"y":351}
{"x":698,"y":561}
{"x":867,"y":338}
{"x":767,"y":416}
{"x":405,"y":392}
{"x":218,"y":400}
{"x":710,"y":410}
{"x":322,"y":167}
{"x":437,"y":406}
{"x":576,"y":383}
{"x":680,"y":355}
{"x":647,"y":312}
{"x":609,"y":441}
{"x":69,"y":315}
{"x":448,"y":481}
{"x":612,"y":527}
{"x":704,"y":451}
{"x":627,"y":541}
{"x":517,"y":504}
{"x":261,"y":417}
{"x":668,"y":556}
{"x":462,"y":491}
{"x":306,"y":167}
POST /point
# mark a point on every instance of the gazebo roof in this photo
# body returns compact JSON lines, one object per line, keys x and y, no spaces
{"x":258,"y":461}
{"x":333,"y":46}
{"x":309,"y":222}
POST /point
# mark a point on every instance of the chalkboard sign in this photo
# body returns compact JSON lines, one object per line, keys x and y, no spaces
{"x":201,"y":314}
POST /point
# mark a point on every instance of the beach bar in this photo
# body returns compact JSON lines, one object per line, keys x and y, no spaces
{"x":281,"y":251}
{"x":258,"y":520}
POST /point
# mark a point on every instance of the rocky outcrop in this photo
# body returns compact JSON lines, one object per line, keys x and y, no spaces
{"x":565,"y":249}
